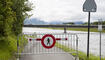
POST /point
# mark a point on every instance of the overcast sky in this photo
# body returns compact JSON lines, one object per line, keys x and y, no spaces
{"x":65,"y":10}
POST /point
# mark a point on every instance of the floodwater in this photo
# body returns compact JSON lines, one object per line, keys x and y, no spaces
{"x":94,"y":39}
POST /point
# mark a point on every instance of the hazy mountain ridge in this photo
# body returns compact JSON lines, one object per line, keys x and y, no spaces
{"x":34,"y":21}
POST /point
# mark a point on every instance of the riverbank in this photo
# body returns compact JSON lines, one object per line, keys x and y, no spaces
{"x":79,"y":29}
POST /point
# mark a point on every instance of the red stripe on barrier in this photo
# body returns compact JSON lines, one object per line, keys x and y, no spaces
{"x":38,"y":39}
{"x":65,"y":38}
{"x":58,"y":39}
{"x":61,"y":38}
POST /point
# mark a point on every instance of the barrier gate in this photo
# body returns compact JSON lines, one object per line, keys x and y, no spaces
{"x":30,"y":43}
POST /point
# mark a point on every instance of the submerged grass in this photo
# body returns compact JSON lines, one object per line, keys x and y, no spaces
{"x":81,"y":55}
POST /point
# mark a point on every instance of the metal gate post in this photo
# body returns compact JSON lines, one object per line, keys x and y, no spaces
{"x":65,"y":30}
{"x":76,"y":47}
{"x":18,"y":47}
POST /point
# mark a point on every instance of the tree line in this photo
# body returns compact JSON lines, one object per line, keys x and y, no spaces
{"x":86,"y":23}
{"x":12,"y":16}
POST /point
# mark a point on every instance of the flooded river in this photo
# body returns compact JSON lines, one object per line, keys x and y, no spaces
{"x":94,"y":39}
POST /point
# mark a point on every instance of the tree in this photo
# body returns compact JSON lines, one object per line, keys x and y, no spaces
{"x":12,"y":15}
{"x":7,"y":17}
{"x":20,"y":7}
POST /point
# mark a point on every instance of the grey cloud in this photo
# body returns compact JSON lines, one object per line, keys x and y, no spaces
{"x":66,"y":10}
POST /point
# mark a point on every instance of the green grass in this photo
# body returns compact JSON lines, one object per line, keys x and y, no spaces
{"x":79,"y":29}
{"x":8,"y":47}
{"x":4,"y":51}
{"x":81,"y":55}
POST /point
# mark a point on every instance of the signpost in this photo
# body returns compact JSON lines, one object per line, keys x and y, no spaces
{"x":100,"y":30}
{"x":89,"y":6}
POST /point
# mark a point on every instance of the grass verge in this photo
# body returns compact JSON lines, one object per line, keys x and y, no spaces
{"x":81,"y":55}
{"x":79,"y":29}
{"x":8,"y":47}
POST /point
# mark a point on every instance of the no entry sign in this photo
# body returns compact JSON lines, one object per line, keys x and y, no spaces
{"x":48,"y":41}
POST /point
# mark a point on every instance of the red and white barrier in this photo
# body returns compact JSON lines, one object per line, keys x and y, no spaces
{"x":39,"y":39}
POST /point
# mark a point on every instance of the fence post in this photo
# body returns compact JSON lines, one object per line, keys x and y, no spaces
{"x":76,"y":47}
{"x":65,"y":30}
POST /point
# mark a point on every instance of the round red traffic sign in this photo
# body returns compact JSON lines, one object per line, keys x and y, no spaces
{"x":48,"y":41}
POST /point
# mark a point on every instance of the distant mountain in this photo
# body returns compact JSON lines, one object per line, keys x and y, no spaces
{"x":34,"y":21}
{"x":78,"y":22}
{"x":56,"y":23}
